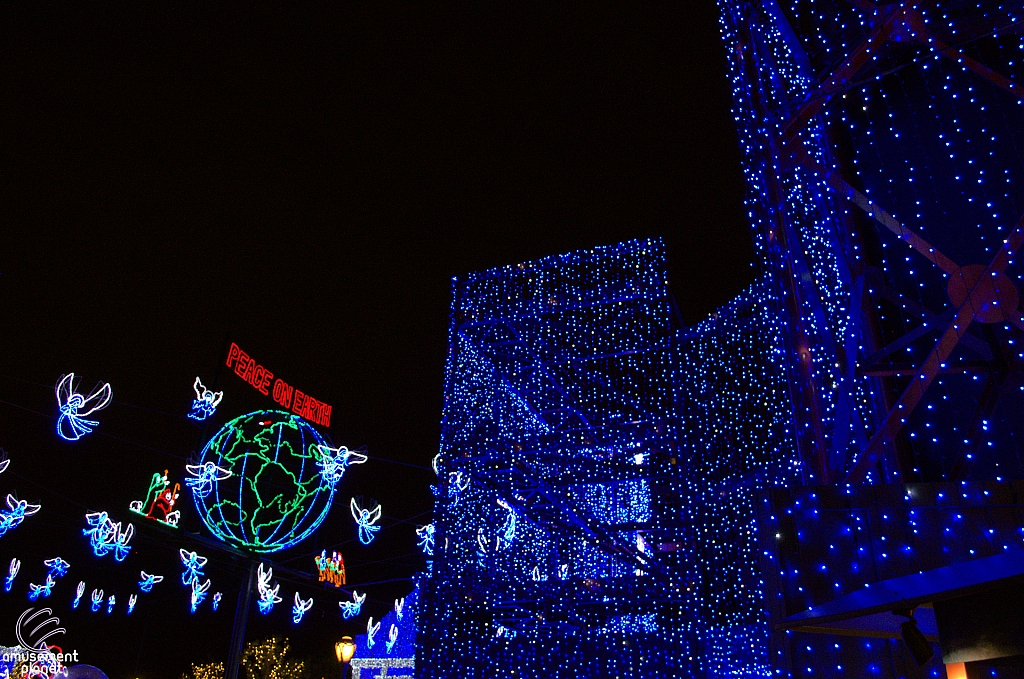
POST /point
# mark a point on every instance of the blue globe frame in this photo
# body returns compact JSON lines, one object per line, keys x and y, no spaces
{"x":214,"y":495}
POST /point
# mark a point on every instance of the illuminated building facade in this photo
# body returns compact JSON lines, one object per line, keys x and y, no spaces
{"x":620,"y":495}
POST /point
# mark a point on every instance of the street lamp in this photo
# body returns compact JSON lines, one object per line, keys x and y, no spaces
{"x":344,"y":649}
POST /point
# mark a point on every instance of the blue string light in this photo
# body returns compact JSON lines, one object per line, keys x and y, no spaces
{"x":206,"y":401}
{"x":74,"y":407}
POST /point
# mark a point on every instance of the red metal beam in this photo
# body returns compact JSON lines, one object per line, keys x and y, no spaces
{"x":897,"y":417}
{"x":842,"y":75}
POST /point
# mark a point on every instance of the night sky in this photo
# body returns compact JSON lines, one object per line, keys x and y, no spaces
{"x":306,"y":185}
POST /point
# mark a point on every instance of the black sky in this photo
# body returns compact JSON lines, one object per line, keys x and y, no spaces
{"x":306,"y":185}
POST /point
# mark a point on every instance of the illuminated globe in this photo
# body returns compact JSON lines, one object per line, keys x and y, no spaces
{"x":258,"y":484}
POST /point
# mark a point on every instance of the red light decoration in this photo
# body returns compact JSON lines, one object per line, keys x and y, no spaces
{"x":303,"y":405}
{"x":160,"y":500}
{"x":331,"y":569}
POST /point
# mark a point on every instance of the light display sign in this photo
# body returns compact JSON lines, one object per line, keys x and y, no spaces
{"x":287,"y":396}
{"x":331,"y":569}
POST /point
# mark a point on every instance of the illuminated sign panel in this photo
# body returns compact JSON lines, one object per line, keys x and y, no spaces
{"x":260,"y":378}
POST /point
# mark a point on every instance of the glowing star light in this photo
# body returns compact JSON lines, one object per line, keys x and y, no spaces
{"x":426,"y":539}
{"x":147,"y":581}
{"x":78,"y":595}
{"x":204,"y":476}
{"x":365,"y":520}
{"x":334,"y":461}
{"x":300,"y":607}
{"x":131,"y":603}
{"x":199,"y":593}
{"x":371,"y":631}
{"x":57,"y":566}
{"x":268,"y":594}
{"x":193,"y":564}
{"x":36,"y":591}
{"x":160,"y":501}
{"x":392,"y":638}
{"x":97,"y":599}
{"x":350,"y":609}
{"x":12,"y":572}
{"x":216,"y":600}
{"x":15,"y":513}
{"x":72,"y":425}
{"x":206,"y":401}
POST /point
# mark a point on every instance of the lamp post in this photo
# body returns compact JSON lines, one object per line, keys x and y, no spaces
{"x":344,"y":649}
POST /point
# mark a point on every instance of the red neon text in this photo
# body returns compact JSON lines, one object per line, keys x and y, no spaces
{"x":301,"y":404}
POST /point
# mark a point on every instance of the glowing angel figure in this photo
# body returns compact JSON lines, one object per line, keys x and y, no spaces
{"x":36,"y":591}
{"x":268,"y":594}
{"x":121,"y":546}
{"x":300,"y":607}
{"x":435,"y":464}
{"x":12,"y":572}
{"x":392,"y":638}
{"x":4,"y":462}
{"x":483,"y":543}
{"x":58,"y":567}
{"x":15,"y":513}
{"x":204,"y":476}
{"x":97,"y":599}
{"x":426,"y":537}
{"x":72,"y":425}
{"x":399,"y":607}
{"x":334,"y":461}
{"x":193,"y":566}
{"x":563,"y":571}
{"x":110,"y":604}
{"x":216,"y":600}
{"x":199,"y":593}
{"x":102,"y":532}
{"x":206,"y":401}
{"x":365,"y":519}
{"x":78,"y":595}
{"x":147,"y":581}
{"x":350,"y":609}
{"x":508,"y":529}
{"x":371,"y":631}
{"x":131,"y":603}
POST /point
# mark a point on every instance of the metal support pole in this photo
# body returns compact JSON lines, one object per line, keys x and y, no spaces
{"x":241,"y":618}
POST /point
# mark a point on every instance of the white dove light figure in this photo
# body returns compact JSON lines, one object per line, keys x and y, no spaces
{"x":199,"y":593}
{"x":12,"y":572}
{"x":147,"y":581}
{"x":97,"y":600}
{"x":300,"y":607}
{"x":58,"y":567}
{"x":334,"y":461}
{"x":426,"y":539}
{"x":16,"y":513}
{"x":268,"y":594}
{"x":350,"y":609}
{"x":72,"y":425}
{"x":365,"y":520}
{"x":392,"y":638}
{"x":36,"y":591}
{"x":121,"y":546}
{"x":206,"y":401}
{"x":204,"y":476}
{"x":193,"y":566}
{"x":371,"y":631}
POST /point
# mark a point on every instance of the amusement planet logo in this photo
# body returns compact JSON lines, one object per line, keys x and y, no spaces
{"x":33,"y":629}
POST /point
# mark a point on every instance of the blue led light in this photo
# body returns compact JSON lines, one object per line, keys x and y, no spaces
{"x":350,"y":609}
{"x":146,"y":581}
{"x":206,"y":401}
{"x":12,"y":572}
{"x":365,"y":520}
{"x":300,"y":607}
{"x":193,"y":564}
